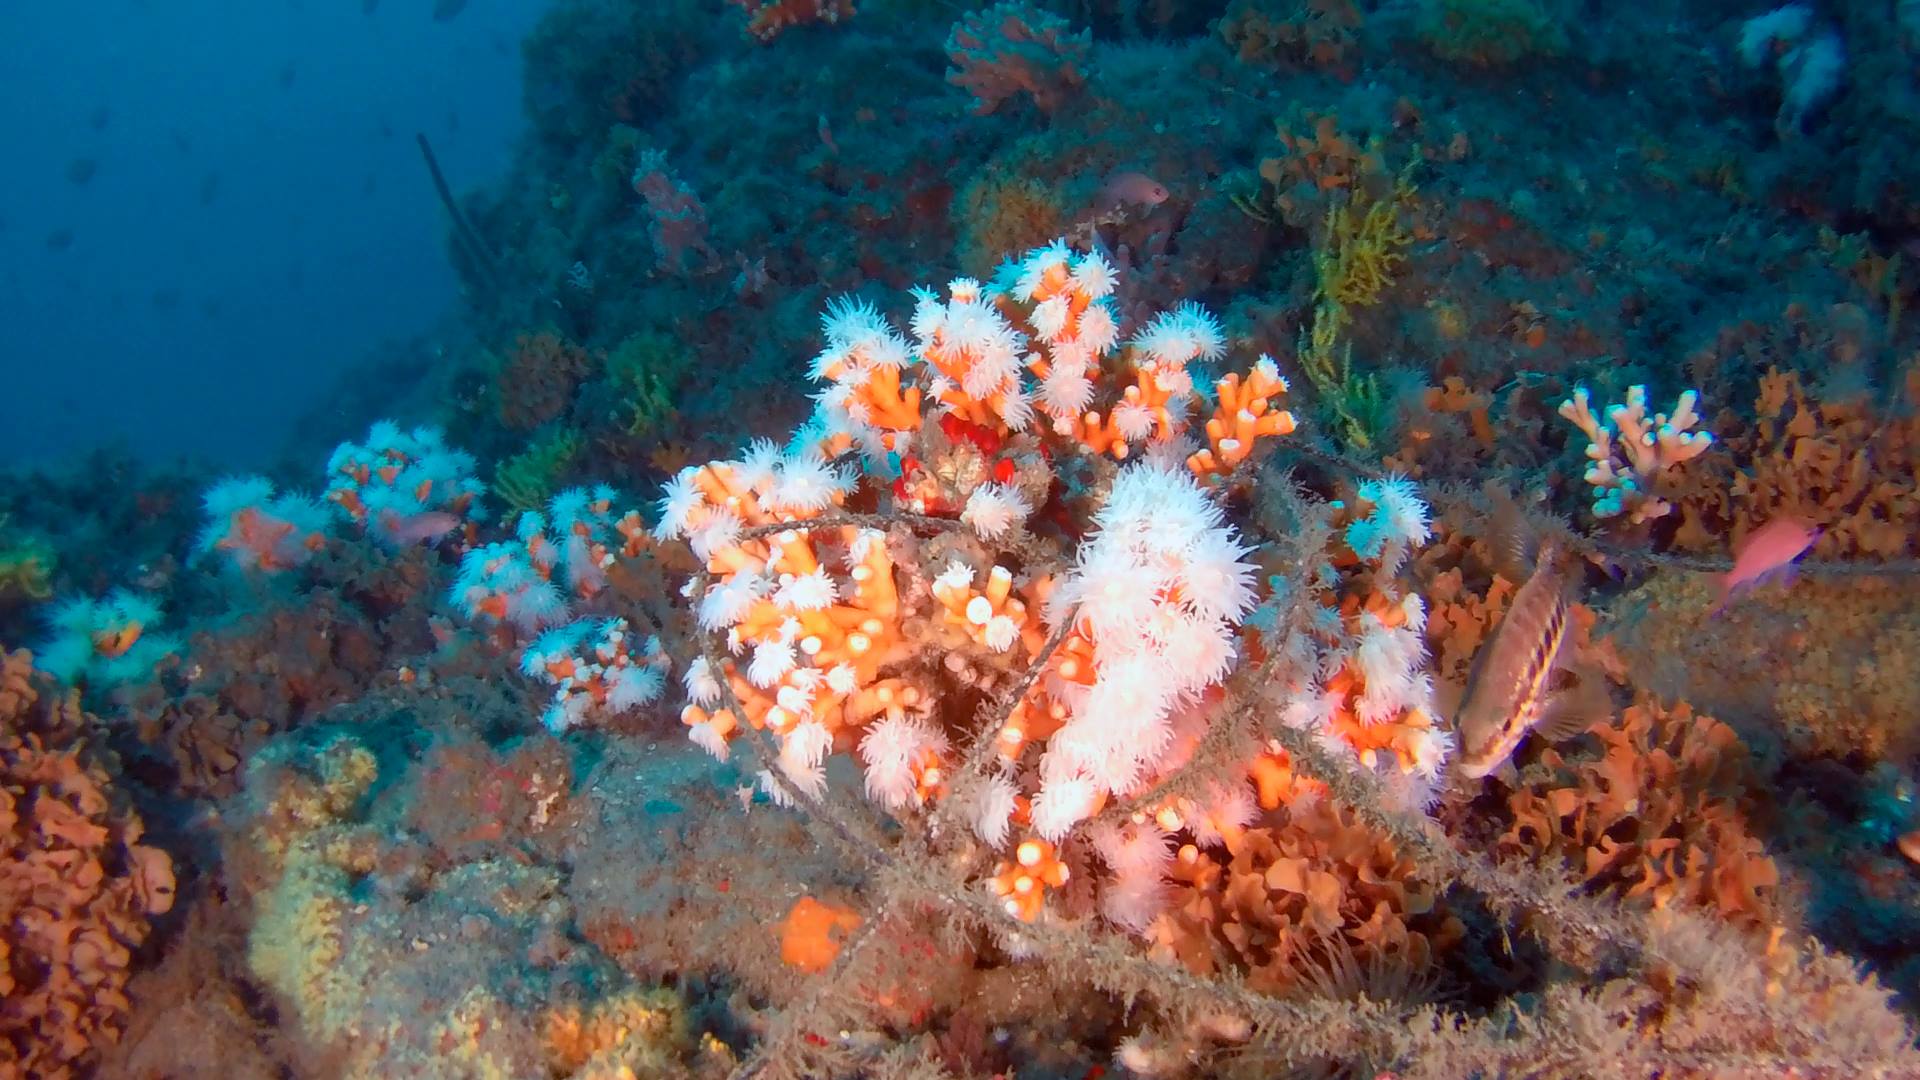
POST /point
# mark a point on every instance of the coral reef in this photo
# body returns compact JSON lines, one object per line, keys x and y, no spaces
{"x":679,"y":219}
{"x":258,"y":529}
{"x":1843,"y":466}
{"x":537,"y":379}
{"x":827,"y":663}
{"x":1310,"y":901}
{"x":998,"y":213}
{"x":1490,"y":33}
{"x":999,"y":523}
{"x":1315,"y":33}
{"x":528,"y":479}
{"x":1014,"y":48}
{"x":105,"y":642}
{"x":1826,"y":666}
{"x":1664,"y":814}
{"x":263,"y":675}
{"x":462,"y":965}
{"x":768,"y":19}
{"x":26,"y":566}
{"x":80,"y":889}
{"x":649,"y":370}
{"x":1632,"y":452}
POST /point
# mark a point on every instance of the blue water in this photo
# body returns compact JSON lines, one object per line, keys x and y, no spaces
{"x":257,"y":214}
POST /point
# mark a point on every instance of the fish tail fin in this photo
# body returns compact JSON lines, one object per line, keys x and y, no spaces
{"x":1723,"y":591}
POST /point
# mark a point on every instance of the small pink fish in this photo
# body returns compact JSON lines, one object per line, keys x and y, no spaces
{"x":1132,"y":189}
{"x":1765,"y":553}
{"x":422,"y":528}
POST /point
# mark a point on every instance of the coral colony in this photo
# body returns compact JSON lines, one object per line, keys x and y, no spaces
{"x":1252,"y":619}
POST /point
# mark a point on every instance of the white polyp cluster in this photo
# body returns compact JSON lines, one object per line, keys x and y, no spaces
{"x":1159,"y":589}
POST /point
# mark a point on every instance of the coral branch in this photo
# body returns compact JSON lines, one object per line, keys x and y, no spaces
{"x":1630,"y":452}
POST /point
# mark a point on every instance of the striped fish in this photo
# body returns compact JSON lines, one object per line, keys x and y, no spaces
{"x":1510,"y":688}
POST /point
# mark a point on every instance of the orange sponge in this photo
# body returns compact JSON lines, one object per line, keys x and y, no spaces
{"x":812,"y":932}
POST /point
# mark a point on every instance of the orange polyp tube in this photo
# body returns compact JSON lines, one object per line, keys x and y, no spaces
{"x":818,"y":625}
{"x":946,"y":362}
{"x":1229,"y":393}
{"x":761,"y":619}
{"x":955,"y":602}
{"x":842,"y":617}
{"x":870,"y":702}
{"x":877,"y":591}
{"x":796,"y":554}
{"x":1097,"y":437}
{"x":733,"y":560}
{"x":1243,"y":427}
{"x":891,"y":408}
{"x":715,"y":484}
{"x":999,"y":585}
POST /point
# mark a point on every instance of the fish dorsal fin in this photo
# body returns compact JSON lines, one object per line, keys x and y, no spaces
{"x":1572,"y":711}
{"x":1515,"y":544}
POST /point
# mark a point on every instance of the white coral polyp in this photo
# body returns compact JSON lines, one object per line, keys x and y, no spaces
{"x":994,"y":508}
{"x":992,"y":810}
{"x":1062,"y":804}
{"x":893,"y":745}
{"x":1159,"y":587}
